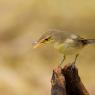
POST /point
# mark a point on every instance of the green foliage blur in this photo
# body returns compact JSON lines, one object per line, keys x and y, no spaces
{"x":27,"y":71}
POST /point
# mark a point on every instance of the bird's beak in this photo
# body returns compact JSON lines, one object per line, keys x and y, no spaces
{"x":38,"y":44}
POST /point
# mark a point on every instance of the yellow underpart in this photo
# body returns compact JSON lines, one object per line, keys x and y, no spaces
{"x":67,"y":49}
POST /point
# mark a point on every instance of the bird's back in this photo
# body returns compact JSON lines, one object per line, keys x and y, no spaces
{"x":62,"y":36}
{"x":67,"y":42}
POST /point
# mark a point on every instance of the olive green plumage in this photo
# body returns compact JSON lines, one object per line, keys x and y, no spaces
{"x":65,"y":42}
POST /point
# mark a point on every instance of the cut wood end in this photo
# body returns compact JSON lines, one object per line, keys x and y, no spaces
{"x":58,"y":82}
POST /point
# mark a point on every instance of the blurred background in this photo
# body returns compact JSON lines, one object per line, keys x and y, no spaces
{"x":27,"y":71}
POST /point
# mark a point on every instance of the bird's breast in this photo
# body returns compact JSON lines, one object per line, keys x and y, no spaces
{"x":67,"y":47}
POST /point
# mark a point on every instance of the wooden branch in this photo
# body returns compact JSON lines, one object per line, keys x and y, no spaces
{"x":58,"y":82}
{"x":66,"y":81}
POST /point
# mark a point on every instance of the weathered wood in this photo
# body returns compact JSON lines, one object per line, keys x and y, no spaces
{"x":58,"y":82}
{"x":74,"y":86}
{"x":66,"y":81}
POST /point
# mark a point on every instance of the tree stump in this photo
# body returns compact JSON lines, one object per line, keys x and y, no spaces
{"x":66,"y":81}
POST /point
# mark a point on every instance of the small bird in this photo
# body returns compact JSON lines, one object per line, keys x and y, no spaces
{"x":67,"y":43}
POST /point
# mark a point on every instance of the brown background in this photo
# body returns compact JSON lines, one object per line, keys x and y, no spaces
{"x":27,"y":71}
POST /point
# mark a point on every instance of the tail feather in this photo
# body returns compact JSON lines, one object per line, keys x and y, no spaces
{"x":90,"y":41}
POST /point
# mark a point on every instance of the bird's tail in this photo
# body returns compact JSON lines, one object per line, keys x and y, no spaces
{"x":90,"y":41}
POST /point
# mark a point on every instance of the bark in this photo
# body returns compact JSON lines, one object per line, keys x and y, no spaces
{"x":66,"y":81}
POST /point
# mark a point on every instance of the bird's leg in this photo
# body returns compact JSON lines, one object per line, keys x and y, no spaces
{"x":73,"y":64}
{"x":64,"y":57}
{"x":75,"y":58}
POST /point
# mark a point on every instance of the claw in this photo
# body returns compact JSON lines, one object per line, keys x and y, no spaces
{"x":75,"y":59}
{"x":64,"y":57}
{"x":73,"y":64}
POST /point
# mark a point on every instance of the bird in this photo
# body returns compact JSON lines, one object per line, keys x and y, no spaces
{"x":67,"y":43}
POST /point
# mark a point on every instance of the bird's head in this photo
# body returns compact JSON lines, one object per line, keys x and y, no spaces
{"x":46,"y":38}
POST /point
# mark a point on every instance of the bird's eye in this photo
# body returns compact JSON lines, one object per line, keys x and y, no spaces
{"x":46,"y":39}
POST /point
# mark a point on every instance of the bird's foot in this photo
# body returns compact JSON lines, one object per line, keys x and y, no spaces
{"x":74,"y":62}
{"x":62,"y":61}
